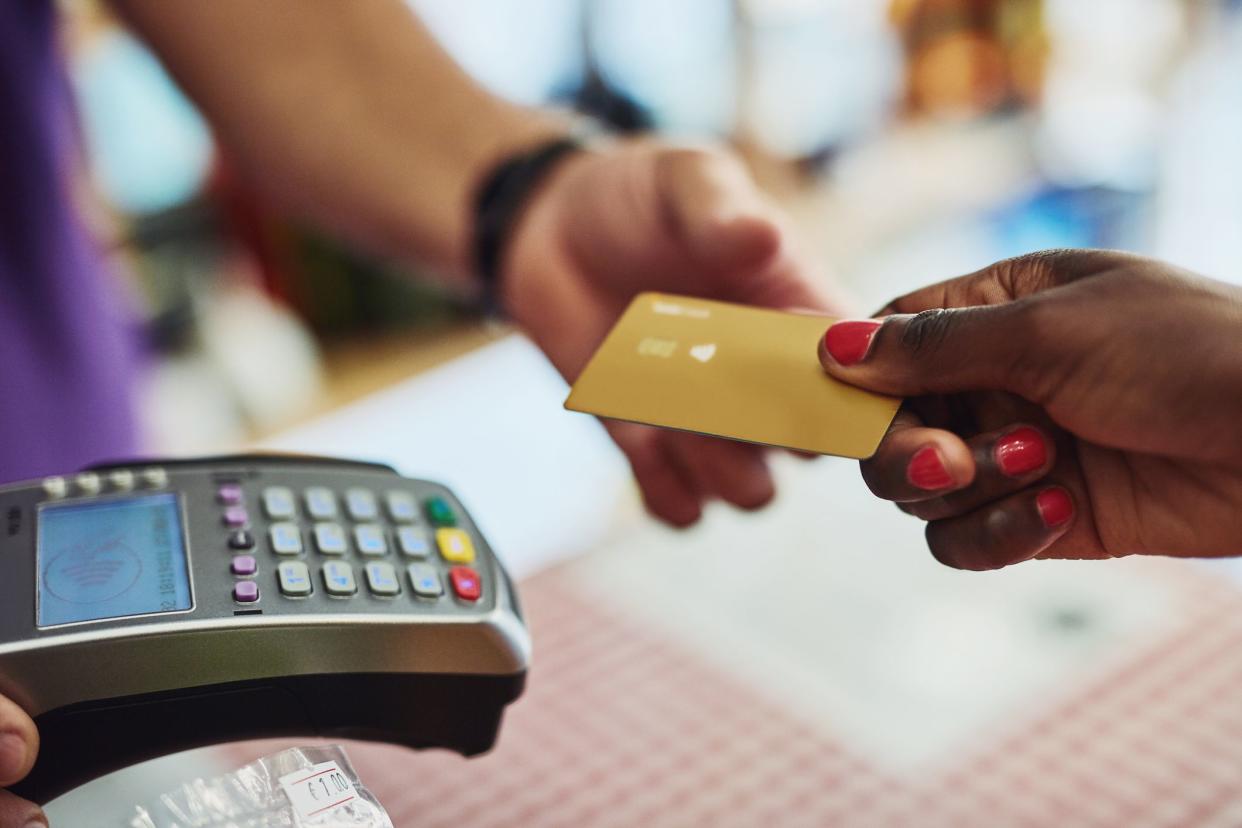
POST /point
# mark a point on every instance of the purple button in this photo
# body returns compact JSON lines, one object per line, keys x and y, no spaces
{"x":245,"y":565}
{"x":246,"y":592}
{"x":236,"y":516}
{"x":230,"y":494}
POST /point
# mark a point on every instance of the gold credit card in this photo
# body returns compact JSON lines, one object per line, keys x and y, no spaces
{"x":731,"y":371}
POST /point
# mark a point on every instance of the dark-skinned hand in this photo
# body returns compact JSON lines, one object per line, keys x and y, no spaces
{"x":1069,"y":404}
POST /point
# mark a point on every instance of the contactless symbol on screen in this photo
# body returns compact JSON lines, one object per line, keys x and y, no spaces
{"x":88,"y":574}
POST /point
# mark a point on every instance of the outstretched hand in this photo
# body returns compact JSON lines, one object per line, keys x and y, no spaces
{"x":644,"y":216}
{"x":1074,"y":404}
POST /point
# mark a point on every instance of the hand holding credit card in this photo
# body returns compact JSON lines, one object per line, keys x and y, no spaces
{"x":732,"y":371}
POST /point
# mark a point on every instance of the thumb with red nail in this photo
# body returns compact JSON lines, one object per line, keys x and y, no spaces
{"x":1071,"y":404}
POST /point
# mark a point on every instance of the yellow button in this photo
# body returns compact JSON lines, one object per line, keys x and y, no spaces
{"x":455,"y":545}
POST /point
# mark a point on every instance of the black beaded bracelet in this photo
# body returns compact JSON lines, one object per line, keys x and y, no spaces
{"x":500,"y":200}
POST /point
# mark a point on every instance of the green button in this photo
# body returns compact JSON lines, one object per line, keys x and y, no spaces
{"x":439,"y":512}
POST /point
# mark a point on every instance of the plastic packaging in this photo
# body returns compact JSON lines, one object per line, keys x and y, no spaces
{"x":302,"y":787}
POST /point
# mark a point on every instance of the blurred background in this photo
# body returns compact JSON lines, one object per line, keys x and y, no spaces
{"x":912,"y":140}
{"x":809,"y":664}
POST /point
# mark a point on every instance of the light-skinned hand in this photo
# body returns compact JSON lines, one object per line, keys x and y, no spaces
{"x":19,"y":743}
{"x":646,"y":216}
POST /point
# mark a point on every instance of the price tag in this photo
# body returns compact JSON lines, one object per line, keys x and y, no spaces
{"x":318,"y":790}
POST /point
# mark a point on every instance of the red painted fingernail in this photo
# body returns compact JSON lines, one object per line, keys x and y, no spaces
{"x":927,"y":471}
{"x":848,"y":342}
{"x":1055,"y":507}
{"x":1021,"y":451}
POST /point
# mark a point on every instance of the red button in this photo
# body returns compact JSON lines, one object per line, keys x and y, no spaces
{"x":466,"y":584}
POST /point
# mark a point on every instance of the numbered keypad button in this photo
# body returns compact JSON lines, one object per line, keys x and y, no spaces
{"x":338,"y":578}
{"x":413,"y":542}
{"x":286,"y":538}
{"x":382,"y":579}
{"x":370,"y":539}
{"x":455,"y":545}
{"x":401,"y":507}
{"x":278,"y":502}
{"x":330,"y":539}
{"x":425,"y":580}
{"x":361,"y":504}
{"x":439,"y":512}
{"x":466,"y":584}
{"x":294,"y":579}
{"x":320,"y":503}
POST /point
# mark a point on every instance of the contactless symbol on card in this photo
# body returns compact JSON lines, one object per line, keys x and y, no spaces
{"x":704,"y":352}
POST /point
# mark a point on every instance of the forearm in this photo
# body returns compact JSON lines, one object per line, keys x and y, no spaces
{"x":348,"y":114}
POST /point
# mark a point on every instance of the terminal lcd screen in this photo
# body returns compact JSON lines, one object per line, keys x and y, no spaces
{"x":111,"y":559}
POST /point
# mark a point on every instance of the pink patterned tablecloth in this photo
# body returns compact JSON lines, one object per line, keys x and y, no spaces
{"x":621,"y":726}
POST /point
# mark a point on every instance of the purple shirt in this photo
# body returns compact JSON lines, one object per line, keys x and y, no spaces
{"x":66,"y":362}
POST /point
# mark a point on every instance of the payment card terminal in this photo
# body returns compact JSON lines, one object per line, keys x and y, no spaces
{"x":154,"y":607}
